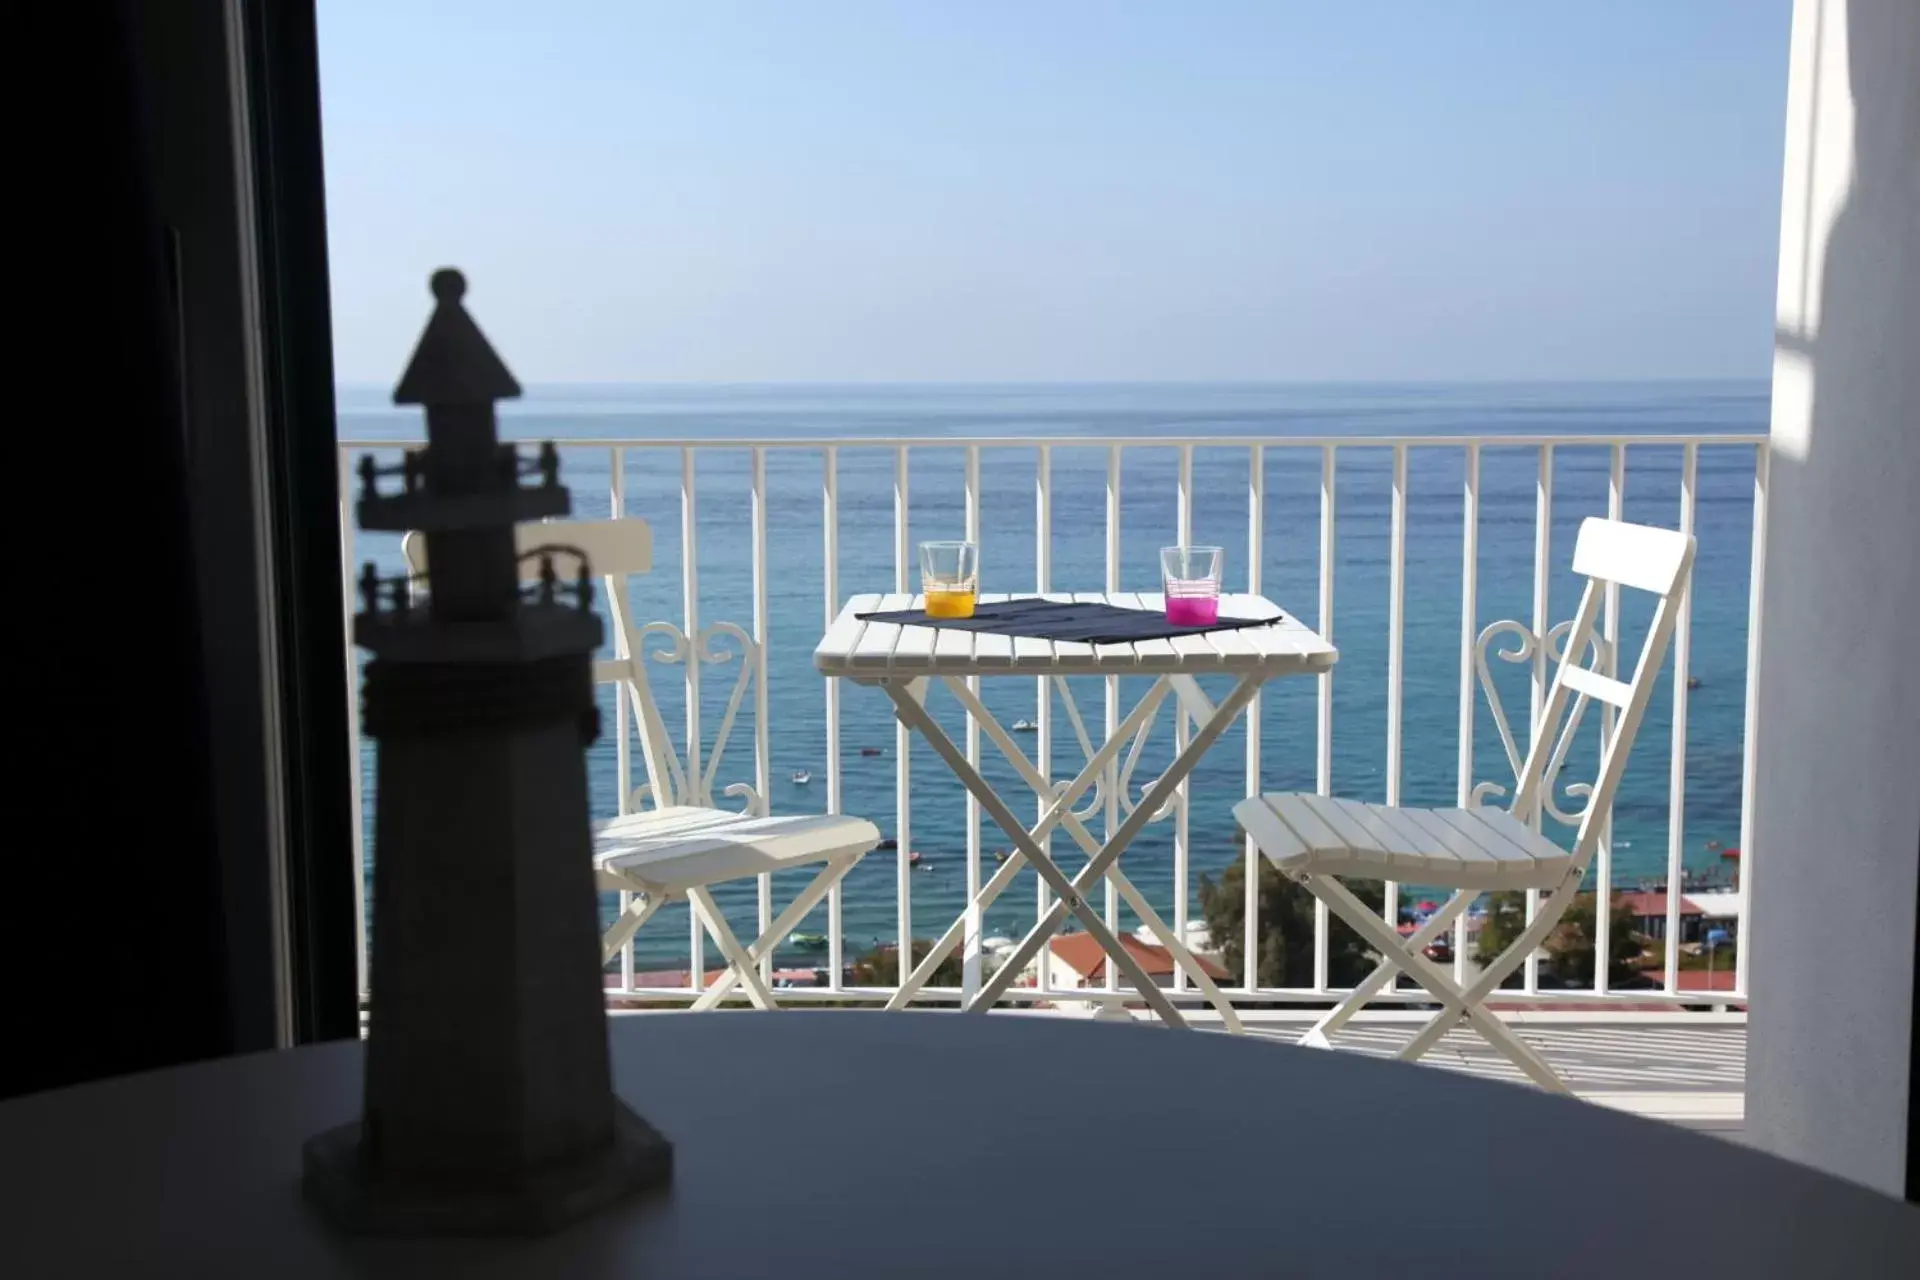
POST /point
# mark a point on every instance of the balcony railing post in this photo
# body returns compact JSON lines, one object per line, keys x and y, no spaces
{"x":902,"y":739}
{"x":1396,"y":652}
{"x":1542,"y":623}
{"x":690,"y":624}
{"x":1043,"y":713}
{"x":830,"y":561}
{"x":1610,"y":632}
{"x":762,"y":747}
{"x":1677,"y":763}
{"x":1323,"y":728}
{"x":970,"y":976}
{"x":1111,"y":689}
{"x":622,"y":729}
{"x":622,"y":748}
{"x":1256,"y":558}
{"x":1182,"y":840}
{"x":1469,"y":633}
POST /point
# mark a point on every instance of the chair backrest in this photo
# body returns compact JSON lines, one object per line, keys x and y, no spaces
{"x":1608,"y":552}
{"x":617,"y":549}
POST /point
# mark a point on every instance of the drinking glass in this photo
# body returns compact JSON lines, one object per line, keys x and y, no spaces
{"x":949,"y":578}
{"x":1192,"y":579}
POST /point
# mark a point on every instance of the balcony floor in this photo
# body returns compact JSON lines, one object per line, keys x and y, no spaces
{"x":1686,"y":1069}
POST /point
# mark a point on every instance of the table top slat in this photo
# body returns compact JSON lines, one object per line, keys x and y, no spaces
{"x":1124,"y":657}
{"x":1234,"y":649}
{"x":875,"y":648}
{"x":992,"y":648}
{"x":953,"y":650}
{"x":1068,"y":653}
{"x":842,"y":640}
{"x":913,"y":647}
{"x":1166,"y":653}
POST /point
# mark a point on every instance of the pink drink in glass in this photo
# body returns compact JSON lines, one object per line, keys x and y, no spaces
{"x":1191,"y":576}
{"x":1192,"y":610}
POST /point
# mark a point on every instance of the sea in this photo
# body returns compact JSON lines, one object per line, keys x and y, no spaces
{"x":1079,"y":422}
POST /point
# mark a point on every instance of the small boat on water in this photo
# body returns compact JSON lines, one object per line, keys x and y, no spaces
{"x":1693,"y":682}
{"x":807,"y":941}
{"x":999,"y":855}
{"x":1025,"y":726}
{"x":801,"y":777}
{"x":913,"y":858}
{"x":888,"y":843}
{"x":871,"y":751}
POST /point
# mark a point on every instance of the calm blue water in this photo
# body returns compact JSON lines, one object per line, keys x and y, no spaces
{"x":1290,"y":555}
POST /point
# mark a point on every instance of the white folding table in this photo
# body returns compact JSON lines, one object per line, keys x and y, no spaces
{"x":904,"y":660}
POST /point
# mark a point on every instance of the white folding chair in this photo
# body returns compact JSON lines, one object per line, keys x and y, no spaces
{"x":1314,"y":839}
{"x":678,"y":843}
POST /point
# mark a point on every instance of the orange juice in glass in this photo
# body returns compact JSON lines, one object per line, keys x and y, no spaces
{"x":949,"y":578}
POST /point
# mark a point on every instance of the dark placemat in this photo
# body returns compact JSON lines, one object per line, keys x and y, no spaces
{"x":1085,"y":622}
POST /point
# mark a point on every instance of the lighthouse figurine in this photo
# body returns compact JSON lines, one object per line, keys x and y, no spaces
{"x":489,"y":1107}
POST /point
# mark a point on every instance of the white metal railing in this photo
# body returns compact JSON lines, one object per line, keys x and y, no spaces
{"x":1533,"y":646}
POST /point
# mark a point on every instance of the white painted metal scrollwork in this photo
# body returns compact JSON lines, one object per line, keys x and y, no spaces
{"x":1127,"y":801}
{"x":712,"y":645}
{"x":1524,"y":643}
{"x":1096,"y":794}
{"x":1122,"y":783}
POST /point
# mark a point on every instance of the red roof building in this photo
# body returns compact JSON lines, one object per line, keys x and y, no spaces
{"x":1654,"y":905}
{"x":1077,"y":960}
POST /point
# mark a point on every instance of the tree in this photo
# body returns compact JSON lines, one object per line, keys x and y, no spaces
{"x":880,"y":967}
{"x":1570,"y":946}
{"x":1506,"y":917}
{"x":1286,"y":928}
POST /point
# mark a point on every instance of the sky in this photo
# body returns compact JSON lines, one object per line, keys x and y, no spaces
{"x":1060,"y":190}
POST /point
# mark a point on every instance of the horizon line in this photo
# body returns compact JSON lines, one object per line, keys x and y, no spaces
{"x":824,"y":383}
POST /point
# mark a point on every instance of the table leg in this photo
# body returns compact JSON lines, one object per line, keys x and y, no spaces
{"x":1319,"y":1035}
{"x":1059,"y":811}
{"x":1177,"y":948}
{"x":743,"y":965}
{"x":1457,"y":1003}
{"x":1203,"y":739}
{"x":1072,"y":896}
{"x":1071,"y":823}
{"x":651,"y":900}
{"x":810,"y":896}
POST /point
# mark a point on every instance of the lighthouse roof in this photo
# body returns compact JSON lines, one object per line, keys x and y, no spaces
{"x":453,"y":363}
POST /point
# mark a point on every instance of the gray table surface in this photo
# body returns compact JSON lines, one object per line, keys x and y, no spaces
{"x":941,"y":1144}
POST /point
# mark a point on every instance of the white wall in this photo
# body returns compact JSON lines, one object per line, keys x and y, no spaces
{"x":1060,"y":974}
{"x":1835,"y":846}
